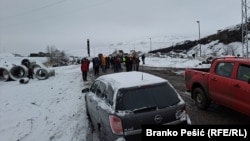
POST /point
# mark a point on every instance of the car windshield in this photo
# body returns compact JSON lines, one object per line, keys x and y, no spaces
{"x":159,"y":96}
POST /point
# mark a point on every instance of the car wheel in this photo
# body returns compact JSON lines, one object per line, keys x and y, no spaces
{"x":201,"y":100}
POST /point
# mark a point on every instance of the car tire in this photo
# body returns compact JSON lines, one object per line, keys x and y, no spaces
{"x":201,"y":100}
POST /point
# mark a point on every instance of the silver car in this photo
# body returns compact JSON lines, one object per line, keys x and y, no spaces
{"x":119,"y":104}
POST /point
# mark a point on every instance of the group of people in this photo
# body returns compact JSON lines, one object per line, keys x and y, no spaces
{"x":117,"y":62}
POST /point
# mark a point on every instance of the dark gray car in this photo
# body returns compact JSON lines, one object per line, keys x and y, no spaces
{"x":119,"y":104}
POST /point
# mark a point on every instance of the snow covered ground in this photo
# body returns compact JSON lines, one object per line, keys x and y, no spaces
{"x":53,"y":109}
{"x":44,"y":110}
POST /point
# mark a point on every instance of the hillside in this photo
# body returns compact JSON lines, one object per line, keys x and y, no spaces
{"x":226,"y":41}
{"x":225,"y":36}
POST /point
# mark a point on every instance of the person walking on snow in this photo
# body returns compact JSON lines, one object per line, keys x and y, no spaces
{"x":30,"y":72}
{"x":84,"y":69}
{"x":96,"y":65}
{"x":143,"y":58}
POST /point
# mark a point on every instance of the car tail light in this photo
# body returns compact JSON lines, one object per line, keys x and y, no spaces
{"x":116,"y":124}
{"x":181,"y":113}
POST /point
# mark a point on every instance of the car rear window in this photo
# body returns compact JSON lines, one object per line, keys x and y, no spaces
{"x":160,"y":96}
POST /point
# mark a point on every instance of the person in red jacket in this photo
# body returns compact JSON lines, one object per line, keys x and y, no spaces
{"x":85,"y":69}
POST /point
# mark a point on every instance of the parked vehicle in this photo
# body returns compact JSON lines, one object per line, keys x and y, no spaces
{"x":119,"y":104}
{"x":226,"y":82}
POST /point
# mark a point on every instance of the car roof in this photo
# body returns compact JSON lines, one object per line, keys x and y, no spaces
{"x":131,"y":79}
{"x":235,"y":59}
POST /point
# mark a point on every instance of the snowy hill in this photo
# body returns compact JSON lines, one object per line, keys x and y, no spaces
{"x":143,"y":45}
{"x":226,"y":41}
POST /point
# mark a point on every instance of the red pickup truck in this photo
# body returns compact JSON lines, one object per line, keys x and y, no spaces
{"x":226,"y":82}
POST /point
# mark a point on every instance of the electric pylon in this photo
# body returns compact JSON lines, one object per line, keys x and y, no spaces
{"x":245,"y":32}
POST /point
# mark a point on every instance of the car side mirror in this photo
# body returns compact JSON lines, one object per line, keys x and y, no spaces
{"x":85,"y":90}
{"x":99,"y":93}
{"x":248,"y":81}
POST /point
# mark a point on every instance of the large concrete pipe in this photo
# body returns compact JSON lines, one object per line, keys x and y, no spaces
{"x":4,"y":74}
{"x":52,"y":72}
{"x":24,"y":80}
{"x":26,"y":62}
{"x":17,"y":72}
{"x":30,"y":63}
{"x":41,"y":73}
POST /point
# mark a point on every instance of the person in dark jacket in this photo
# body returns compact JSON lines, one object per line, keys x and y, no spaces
{"x":116,"y":64}
{"x":30,"y":72}
{"x":85,"y":69}
{"x":96,"y":65}
{"x":137,"y":60}
{"x":143,"y":58}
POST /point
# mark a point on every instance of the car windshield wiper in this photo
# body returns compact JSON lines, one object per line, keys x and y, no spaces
{"x":148,"y":108}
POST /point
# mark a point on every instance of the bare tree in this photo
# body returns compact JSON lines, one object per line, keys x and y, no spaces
{"x":56,"y":57}
{"x":51,"y":54}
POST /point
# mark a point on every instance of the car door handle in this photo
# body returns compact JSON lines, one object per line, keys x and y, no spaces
{"x":214,"y":79}
{"x":236,"y":85}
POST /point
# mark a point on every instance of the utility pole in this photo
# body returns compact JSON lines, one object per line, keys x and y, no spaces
{"x":150,"y":44}
{"x":199,"y":35}
{"x":88,"y":49}
{"x":244,"y":27}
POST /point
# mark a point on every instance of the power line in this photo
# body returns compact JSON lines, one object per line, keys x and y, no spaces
{"x":32,"y":10}
{"x":85,"y":7}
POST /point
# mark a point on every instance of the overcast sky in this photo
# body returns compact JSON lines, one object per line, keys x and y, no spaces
{"x":32,"y":25}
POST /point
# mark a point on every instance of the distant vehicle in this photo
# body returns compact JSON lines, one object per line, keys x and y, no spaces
{"x":118,"y":104}
{"x":226,"y":82}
